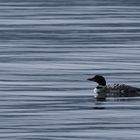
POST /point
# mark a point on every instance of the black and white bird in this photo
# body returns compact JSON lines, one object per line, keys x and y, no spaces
{"x":115,"y":90}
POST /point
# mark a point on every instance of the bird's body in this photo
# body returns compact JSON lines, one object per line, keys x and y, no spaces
{"x":115,"y":90}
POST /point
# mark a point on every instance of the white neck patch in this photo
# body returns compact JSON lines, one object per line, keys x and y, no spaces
{"x":96,"y":92}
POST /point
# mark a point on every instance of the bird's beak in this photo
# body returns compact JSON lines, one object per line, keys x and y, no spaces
{"x":90,"y":79}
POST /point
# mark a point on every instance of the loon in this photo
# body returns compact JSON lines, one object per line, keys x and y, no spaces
{"x":116,"y":90}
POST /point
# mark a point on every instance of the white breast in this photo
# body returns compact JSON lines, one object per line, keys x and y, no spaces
{"x":95,"y":93}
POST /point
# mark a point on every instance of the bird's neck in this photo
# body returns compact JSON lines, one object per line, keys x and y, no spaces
{"x":100,"y":86}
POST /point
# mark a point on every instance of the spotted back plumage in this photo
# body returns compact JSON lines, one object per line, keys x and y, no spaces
{"x":120,"y":90}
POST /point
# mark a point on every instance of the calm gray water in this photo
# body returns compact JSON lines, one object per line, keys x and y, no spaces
{"x":47,"y":51}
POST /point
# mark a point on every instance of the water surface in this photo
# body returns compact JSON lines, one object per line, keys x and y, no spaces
{"x":47,"y":51}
